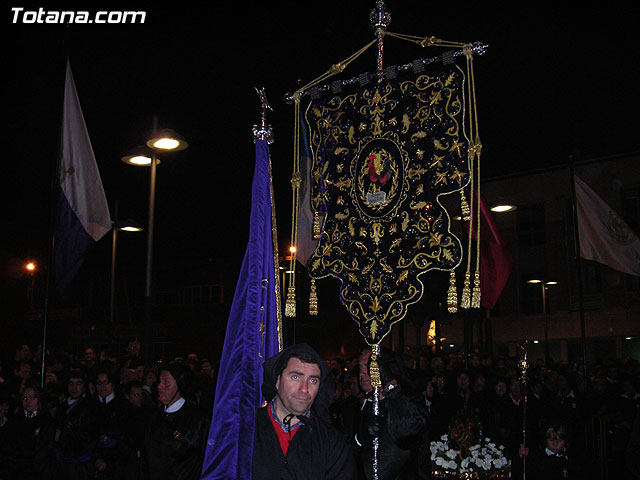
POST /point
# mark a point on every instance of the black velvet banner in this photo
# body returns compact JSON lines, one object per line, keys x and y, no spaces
{"x":382,"y":156}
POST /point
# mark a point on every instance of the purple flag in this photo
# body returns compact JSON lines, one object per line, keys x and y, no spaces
{"x":82,"y":211}
{"x":253,"y":335}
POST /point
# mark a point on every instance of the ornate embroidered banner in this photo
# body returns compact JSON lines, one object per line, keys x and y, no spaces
{"x":382,"y":156}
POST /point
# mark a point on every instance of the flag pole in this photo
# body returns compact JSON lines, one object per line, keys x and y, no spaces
{"x":55,"y":165}
{"x":576,"y":237}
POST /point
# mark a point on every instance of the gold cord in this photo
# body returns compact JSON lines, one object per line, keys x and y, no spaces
{"x":452,"y":294}
{"x":374,"y":371}
{"x":313,"y":298}
{"x":290,"y":305}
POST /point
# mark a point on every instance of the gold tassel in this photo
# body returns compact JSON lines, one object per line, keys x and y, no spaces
{"x":464,"y":207}
{"x":290,"y":305}
{"x":313,"y":299}
{"x":452,"y":294}
{"x":466,"y":292}
{"x":475,"y":297}
{"x":316,"y":225}
{"x":374,"y":371}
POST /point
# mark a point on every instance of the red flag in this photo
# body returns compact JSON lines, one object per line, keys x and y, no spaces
{"x":496,"y":259}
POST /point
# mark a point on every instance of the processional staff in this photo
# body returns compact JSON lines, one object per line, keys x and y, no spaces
{"x":524,"y":365}
{"x":380,"y":20}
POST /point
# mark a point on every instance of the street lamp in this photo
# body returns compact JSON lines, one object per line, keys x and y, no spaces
{"x":30,"y":267}
{"x":544,"y":286}
{"x":165,"y":140}
{"x":125,"y":226}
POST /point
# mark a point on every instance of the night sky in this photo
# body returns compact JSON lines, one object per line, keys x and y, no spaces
{"x":553,"y":82}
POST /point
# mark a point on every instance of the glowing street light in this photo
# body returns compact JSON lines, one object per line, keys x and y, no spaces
{"x":164,"y":140}
{"x":544,"y":285}
{"x":503,"y":208}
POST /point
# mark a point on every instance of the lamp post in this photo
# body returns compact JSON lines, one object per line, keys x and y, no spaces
{"x":165,"y":140}
{"x":125,"y":226}
{"x":30,"y":267}
{"x":544,"y":286}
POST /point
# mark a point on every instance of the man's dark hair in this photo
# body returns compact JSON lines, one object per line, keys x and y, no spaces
{"x":304,"y":357}
{"x":132,"y":384}
{"x":108,"y":374}
{"x":77,"y":374}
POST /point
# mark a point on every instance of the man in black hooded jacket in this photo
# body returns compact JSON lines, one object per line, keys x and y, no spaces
{"x":294,"y":438}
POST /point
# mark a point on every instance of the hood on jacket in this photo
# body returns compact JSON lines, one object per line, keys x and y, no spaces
{"x":274,"y":366}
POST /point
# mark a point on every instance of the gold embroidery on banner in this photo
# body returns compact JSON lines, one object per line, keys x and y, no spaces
{"x":391,"y":150}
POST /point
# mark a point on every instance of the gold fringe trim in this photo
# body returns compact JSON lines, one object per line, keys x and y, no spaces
{"x":464,"y":207}
{"x":452,"y":294}
{"x":290,"y":305}
{"x":475,"y":296}
{"x":465,"y":302}
{"x":317,"y":231}
{"x":374,"y":371}
{"x":313,"y":299}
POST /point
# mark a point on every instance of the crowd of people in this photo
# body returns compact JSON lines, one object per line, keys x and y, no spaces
{"x":594,"y":415}
{"x":104,"y":416}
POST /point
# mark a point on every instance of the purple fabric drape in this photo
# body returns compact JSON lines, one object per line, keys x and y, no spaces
{"x":252,"y":337}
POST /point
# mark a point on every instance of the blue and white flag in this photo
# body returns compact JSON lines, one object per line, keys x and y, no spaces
{"x":82,"y":213}
{"x":604,"y":236}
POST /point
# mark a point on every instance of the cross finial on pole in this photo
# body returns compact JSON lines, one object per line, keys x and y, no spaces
{"x":264,"y":132}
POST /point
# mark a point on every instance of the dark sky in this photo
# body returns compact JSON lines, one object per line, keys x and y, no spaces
{"x":554,"y":81}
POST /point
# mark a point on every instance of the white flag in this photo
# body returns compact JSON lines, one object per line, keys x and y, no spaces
{"x":80,"y":178}
{"x":604,"y":236}
{"x":82,"y":213}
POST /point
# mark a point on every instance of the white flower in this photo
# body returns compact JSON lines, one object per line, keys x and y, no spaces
{"x":444,"y":437}
{"x":451,"y":454}
{"x":440,"y":461}
{"x":452,"y":465}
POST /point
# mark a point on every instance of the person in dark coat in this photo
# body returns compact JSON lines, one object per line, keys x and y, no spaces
{"x":294,"y":437}
{"x":174,"y":443}
{"x":400,"y":427}
{"x":77,"y":431}
{"x":26,"y":446}
{"x":136,"y":419}
{"x":553,"y":461}
{"x":110,"y":449}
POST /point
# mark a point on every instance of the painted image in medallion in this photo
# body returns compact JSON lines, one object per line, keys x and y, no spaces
{"x":378,"y":177}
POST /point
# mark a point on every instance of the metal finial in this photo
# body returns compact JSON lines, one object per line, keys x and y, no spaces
{"x":524,"y":361}
{"x":264,"y":131}
{"x":380,"y":19}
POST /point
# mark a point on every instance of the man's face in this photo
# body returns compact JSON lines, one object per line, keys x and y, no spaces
{"x":167,"y":388}
{"x":104,"y":386}
{"x":463,"y":381}
{"x":23,"y":354}
{"x":29,"y":400}
{"x":135,"y":396}
{"x":297,"y":386}
{"x":89,"y":355}
{"x":75,"y":387}
{"x":555,"y":444}
{"x":24,"y":371}
{"x":133,"y":348}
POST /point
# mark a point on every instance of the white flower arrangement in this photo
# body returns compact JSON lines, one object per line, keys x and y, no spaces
{"x":483,"y":458}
